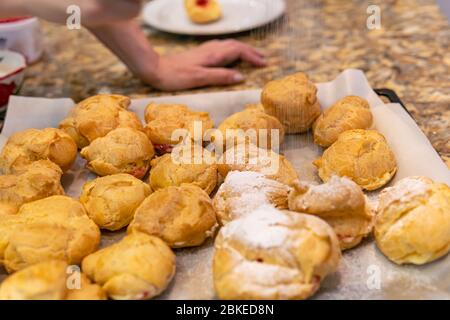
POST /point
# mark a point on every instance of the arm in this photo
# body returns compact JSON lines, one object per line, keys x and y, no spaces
{"x":111,"y":22}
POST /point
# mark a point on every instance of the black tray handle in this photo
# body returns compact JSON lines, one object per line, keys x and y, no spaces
{"x":393,"y":97}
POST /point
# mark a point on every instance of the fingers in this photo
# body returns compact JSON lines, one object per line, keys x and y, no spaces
{"x":217,"y":77}
{"x":222,"y":53}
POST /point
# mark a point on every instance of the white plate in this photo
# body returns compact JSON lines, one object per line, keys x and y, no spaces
{"x":237,"y":16}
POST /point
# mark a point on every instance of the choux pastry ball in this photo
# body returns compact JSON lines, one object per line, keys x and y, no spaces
{"x":349,"y":113}
{"x":181,"y":216}
{"x":37,"y":180}
{"x":364,"y":156}
{"x":248,"y":157}
{"x":252,"y":125}
{"x":53,"y":228}
{"x":243,"y":192}
{"x":164,"y":121}
{"x":272,"y":254}
{"x":413,"y":221}
{"x":30,"y":145}
{"x":96,"y":116}
{"x":138,"y":267}
{"x":341,"y":203}
{"x":186,"y":164}
{"x":49,"y":280}
{"x":293,"y":100}
{"x":112,"y":200}
{"x":123,"y":150}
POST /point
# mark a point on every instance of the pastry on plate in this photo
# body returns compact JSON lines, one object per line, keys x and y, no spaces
{"x":248,"y":157}
{"x":272,"y":254}
{"x":94,"y":117}
{"x":123,"y":150}
{"x":253,"y":125}
{"x":341,"y":203}
{"x":30,"y":145}
{"x":39,"y":179}
{"x":56,"y":227}
{"x":243,"y":192}
{"x":111,"y":201}
{"x":203,"y":11}
{"x":182,"y":216}
{"x":293,"y":100}
{"x":138,"y":267}
{"x":364,"y":156}
{"x":348,"y":113}
{"x":169,"y":124}
{"x":413,"y":221}
{"x":186,"y":164}
{"x":49,"y":280}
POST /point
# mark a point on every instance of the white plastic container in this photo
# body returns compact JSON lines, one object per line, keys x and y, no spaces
{"x":22,"y":35}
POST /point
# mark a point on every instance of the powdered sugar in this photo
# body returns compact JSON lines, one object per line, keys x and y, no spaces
{"x":262,"y":228}
{"x":405,"y":190}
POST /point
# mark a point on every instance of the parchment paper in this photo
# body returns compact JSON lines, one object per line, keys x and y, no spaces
{"x":364,"y":272}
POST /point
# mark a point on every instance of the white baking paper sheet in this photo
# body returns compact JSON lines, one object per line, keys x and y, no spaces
{"x":364,"y":272}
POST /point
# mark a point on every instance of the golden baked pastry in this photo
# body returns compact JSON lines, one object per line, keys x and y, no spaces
{"x":272,"y":254}
{"x":243,"y":192}
{"x":203,"y":11}
{"x":348,"y":113}
{"x":137,"y":267}
{"x":87,"y":290}
{"x":123,"y":150}
{"x":47,"y":281}
{"x":364,"y":156}
{"x":293,"y":100}
{"x":341,"y":203}
{"x":413,"y":221}
{"x":39,"y":179}
{"x":111,"y":201}
{"x":253,"y":125}
{"x":163,"y":119}
{"x":56,"y":227}
{"x":248,"y":157}
{"x":186,"y":164}
{"x":182,"y":216}
{"x":30,"y":145}
{"x":94,"y":117}
{"x":41,"y":281}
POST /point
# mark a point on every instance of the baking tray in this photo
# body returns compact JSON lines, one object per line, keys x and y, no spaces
{"x":364,"y":273}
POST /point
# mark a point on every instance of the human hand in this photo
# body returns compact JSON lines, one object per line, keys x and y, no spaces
{"x":202,"y":66}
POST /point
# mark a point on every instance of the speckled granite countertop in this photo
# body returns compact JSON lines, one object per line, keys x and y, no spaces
{"x":410,"y":54}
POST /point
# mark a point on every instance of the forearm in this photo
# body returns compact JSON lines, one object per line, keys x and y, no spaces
{"x":128,"y":42}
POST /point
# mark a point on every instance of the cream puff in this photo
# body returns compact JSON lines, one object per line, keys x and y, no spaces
{"x":293,"y":100}
{"x":138,"y":267}
{"x":123,"y":150}
{"x":39,"y":179}
{"x":182,"y":166}
{"x":24,"y":147}
{"x":243,"y":192}
{"x":169,"y":124}
{"x":96,"y":116}
{"x":348,"y":113}
{"x":182,"y":216}
{"x":364,"y":156}
{"x":250,"y":125}
{"x":272,"y":254}
{"x":111,"y":201}
{"x":56,"y":227}
{"x":341,"y":203}
{"x":413,"y":221}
